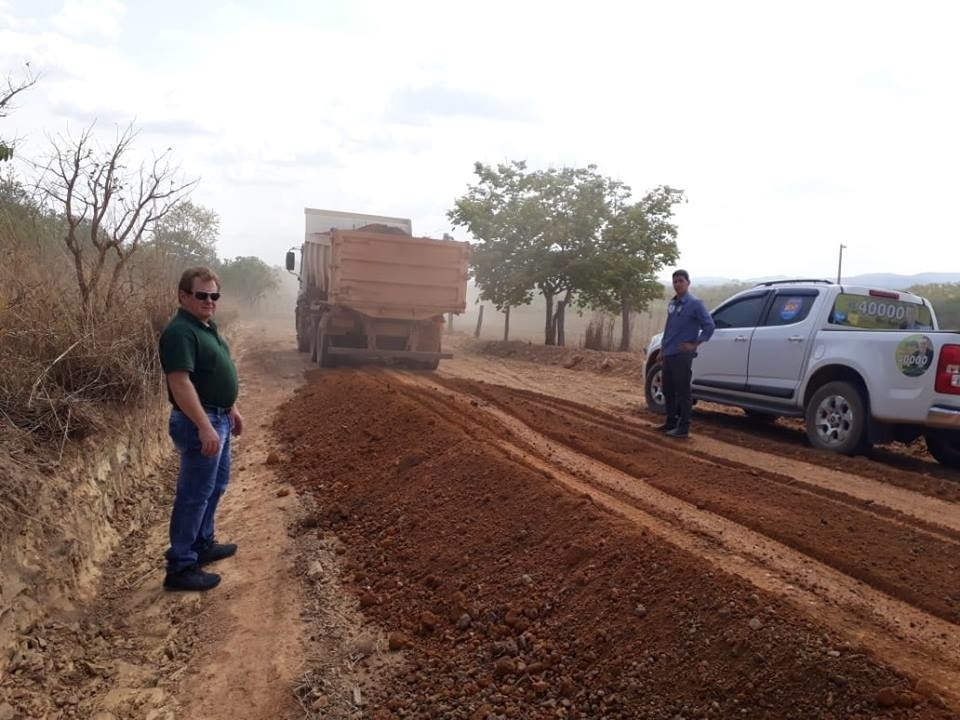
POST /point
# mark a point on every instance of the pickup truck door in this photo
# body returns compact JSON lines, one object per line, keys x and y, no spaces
{"x":781,"y":344}
{"x":721,"y":363}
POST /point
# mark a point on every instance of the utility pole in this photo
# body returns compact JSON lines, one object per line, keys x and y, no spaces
{"x":840,"y":262}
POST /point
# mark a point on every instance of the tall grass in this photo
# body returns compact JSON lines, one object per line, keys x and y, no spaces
{"x":63,"y":370}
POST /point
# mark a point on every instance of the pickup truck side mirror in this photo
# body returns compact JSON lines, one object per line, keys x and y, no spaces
{"x":291,"y":261}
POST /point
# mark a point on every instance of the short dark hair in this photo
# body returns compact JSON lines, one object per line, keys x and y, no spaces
{"x":681,"y":273}
{"x":204,"y":273}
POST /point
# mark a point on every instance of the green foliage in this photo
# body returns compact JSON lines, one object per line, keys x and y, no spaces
{"x":187,"y":236}
{"x":715,"y":294}
{"x":6,"y":152}
{"x":503,"y":213}
{"x":945,"y":298}
{"x":248,"y":278}
{"x":570,"y":233}
{"x":636,"y":244}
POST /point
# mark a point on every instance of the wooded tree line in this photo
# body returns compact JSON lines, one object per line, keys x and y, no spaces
{"x":93,"y":241}
{"x":571,"y":234}
{"x":103,"y":207}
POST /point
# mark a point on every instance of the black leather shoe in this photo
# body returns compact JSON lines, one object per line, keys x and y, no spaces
{"x":664,"y":428}
{"x":677,"y":433}
{"x":216,"y":551}
{"x":192,"y":579}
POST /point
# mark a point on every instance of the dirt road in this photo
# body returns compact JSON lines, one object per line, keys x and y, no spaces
{"x":508,"y":540}
{"x":545,"y":553}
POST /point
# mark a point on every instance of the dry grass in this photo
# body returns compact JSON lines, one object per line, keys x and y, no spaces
{"x":62,"y":369}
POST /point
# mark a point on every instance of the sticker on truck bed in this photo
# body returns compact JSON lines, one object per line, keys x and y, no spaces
{"x":914,"y":355}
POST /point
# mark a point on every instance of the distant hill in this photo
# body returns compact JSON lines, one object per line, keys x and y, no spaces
{"x":902,"y":282}
{"x":883,"y":280}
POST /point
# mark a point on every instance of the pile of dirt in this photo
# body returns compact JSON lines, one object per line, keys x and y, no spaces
{"x":513,"y":597}
{"x":613,"y":363}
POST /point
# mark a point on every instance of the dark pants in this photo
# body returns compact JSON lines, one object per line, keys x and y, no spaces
{"x":200,"y":485}
{"x":677,"y":371}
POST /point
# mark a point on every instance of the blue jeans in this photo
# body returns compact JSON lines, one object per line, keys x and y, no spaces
{"x":200,"y":484}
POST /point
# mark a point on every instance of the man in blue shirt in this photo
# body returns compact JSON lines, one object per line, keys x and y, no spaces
{"x":688,"y":325}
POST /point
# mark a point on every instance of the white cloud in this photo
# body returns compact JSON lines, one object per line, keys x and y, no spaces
{"x":792,"y":128}
{"x":86,"y":18}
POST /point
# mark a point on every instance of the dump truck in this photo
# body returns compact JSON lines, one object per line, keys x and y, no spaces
{"x":369,"y":289}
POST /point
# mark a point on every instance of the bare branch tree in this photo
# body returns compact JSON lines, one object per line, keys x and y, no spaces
{"x":6,"y":105}
{"x":107,"y":205}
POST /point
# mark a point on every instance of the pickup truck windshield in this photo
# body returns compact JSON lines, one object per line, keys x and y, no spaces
{"x":879,"y":313}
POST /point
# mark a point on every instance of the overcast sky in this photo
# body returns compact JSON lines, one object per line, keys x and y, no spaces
{"x":792,"y":127}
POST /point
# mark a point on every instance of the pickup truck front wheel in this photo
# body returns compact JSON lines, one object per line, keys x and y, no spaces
{"x":836,"y":418}
{"x":653,"y":388}
{"x":944,"y":445}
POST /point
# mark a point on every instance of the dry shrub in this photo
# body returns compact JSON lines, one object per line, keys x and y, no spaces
{"x":63,"y":370}
{"x":599,"y":333}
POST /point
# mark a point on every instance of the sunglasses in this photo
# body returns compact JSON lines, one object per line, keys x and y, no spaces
{"x":201,"y":295}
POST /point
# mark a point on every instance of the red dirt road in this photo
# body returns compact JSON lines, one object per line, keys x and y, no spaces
{"x":534,"y":557}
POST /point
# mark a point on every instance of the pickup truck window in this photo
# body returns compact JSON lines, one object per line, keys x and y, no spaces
{"x":879,"y":313}
{"x":789,"y":309}
{"x":744,"y":312}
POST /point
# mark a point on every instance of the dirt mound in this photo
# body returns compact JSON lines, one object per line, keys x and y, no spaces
{"x":513,"y":597}
{"x":614,"y":363}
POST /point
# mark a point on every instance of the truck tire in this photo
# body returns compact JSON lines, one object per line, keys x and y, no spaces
{"x":944,"y":445}
{"x":324,"y":358}
{"x":653,"y":388}
{"x":836,"y":419}
{"x":303,"y":338}
{"x":319,"y":342}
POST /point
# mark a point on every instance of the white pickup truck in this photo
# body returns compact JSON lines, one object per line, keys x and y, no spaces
{"x":860,"y":365}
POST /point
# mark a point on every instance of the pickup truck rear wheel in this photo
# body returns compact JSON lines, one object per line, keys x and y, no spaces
{"x":836,"y":418}
{"x":653,"y":388}
{"x":944,"y":445}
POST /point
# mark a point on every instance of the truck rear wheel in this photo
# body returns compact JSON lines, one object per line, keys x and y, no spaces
{"x":653,"y":388}
{"x":303,"y":337}
{"x":319,"y":346}
{"x":324,"y":358}
{"x":944,"y":445}
{"x":836,"y":419}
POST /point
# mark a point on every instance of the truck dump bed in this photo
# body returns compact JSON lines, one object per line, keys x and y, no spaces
{"x":389,"y":276}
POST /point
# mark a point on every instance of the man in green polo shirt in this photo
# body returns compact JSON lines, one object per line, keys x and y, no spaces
{"x":202,"y":386}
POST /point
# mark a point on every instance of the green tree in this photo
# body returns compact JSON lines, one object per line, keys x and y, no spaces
{"x":536,"y":231}
{"x":945,"y":298}
{"x":636,"y":243}
{"x":502,"y":211}
{"x":187,"y":235}
{"x":578,"y":203}
{"x":248,"y":278}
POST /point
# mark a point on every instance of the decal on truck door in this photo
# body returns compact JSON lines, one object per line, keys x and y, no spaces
{"x":914,"y":355}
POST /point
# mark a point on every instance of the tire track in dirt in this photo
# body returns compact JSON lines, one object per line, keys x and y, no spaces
{"x":933,"y":515}
{"x":525,"y":590}
{"x":907,"y":467}
{"x":881,"y":551}
{"x":900,"y":629}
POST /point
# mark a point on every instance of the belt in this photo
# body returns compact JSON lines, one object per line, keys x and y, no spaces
{"x":215,"y":409}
